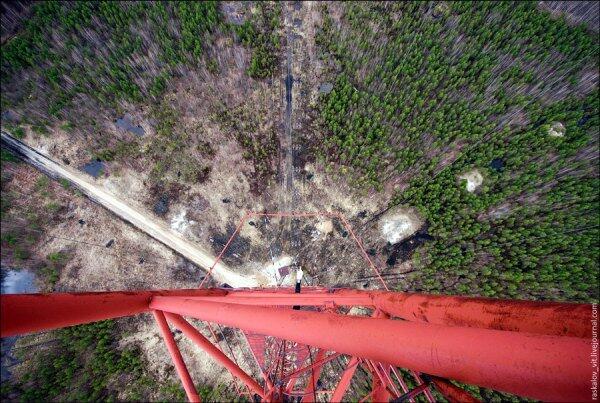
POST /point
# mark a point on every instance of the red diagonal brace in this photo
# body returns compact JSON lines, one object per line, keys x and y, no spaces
{"x":380,"y":392}
{"x":345,"y":379}
{"x":537,"y":366}
{"x":385,"y":372}
{"x":451,"y":392}
{"x":309,"y":392}
{"x":427,"y":392}
{"x":182,"y":371}
{"x":201,"y":341}
{"x":294,"y":375}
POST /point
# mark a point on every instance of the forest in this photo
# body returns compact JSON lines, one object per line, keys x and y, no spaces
{"x":70,"y":64}
{"x":77,"y":65}
{"x":424,"y":93}
{"x":89,"y":361}
{"x":103,"y":58}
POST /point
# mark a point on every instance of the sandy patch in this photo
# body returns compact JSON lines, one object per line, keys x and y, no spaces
{"x":324,"y":227}
{"x":557,"y":129}
{"x":399,"y":223}
{"x":179,"y":223}
{"x":274,"y":274}
{"x":125,"y":183}
{"x":474,"y":179}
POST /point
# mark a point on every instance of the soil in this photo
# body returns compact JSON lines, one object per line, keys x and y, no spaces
{"x":206,"y":211}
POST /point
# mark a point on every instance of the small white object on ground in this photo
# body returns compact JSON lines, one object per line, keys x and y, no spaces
{"x":179,"y":223}
{"x":474,"y":179}
{"x":557,"y":130}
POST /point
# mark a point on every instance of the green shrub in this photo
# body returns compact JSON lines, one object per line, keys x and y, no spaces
{"x":18,"y":133}
{"x":64,"y":183}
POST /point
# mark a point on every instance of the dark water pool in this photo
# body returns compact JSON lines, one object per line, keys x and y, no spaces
{"x":94,"y":168}
{"x":125,"y":123}
{"x":497,"y":164}
{"x":404,"y":250}
{"x":13,"y":282}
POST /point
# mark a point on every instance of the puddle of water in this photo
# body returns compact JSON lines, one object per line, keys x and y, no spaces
{"x":94,"y":168}
{"x":125,"y":123}
{"x":161,"y":207}
{"x":404,"y":250}
{"x":13,"y":282}
{"x":539,"y":123}
{"x":326,"y":88}
{"x":497,"y":164}
{"x":9,"y":116}
{"x":583,"y":120}
{"x":289,"y":81}
{"x":17,"y":282}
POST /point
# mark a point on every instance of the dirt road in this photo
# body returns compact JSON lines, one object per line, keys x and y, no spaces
{"x":132,"y":214}
{"x":291,"y":201}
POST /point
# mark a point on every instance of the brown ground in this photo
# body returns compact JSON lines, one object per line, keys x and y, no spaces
{"x":213,"y":207}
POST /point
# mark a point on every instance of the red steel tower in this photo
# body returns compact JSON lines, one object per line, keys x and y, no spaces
{"x":539,"y":350}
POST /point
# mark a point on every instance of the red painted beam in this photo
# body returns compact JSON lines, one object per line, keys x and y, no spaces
{"x":345,"y":379}
{"x":201,"y":341}
{"x":28,"y":313}
{"x":315,"y":374}
{"x":537,"y":366}
{"x":413,"y":393}
{"x":451,"y":392}
{"x":400,"y":380}
{"x":386,"y":370}
{"x":315,"y":364}
{"x":182,"y":371}
{"x":540,"y":317}
{"x":260,"y":361}
{"x":420,"y":381}
{"x":387,"y":388}
{"x":268,"y":298}
{"x":379,"y":389}
{"x":549,"y":318}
